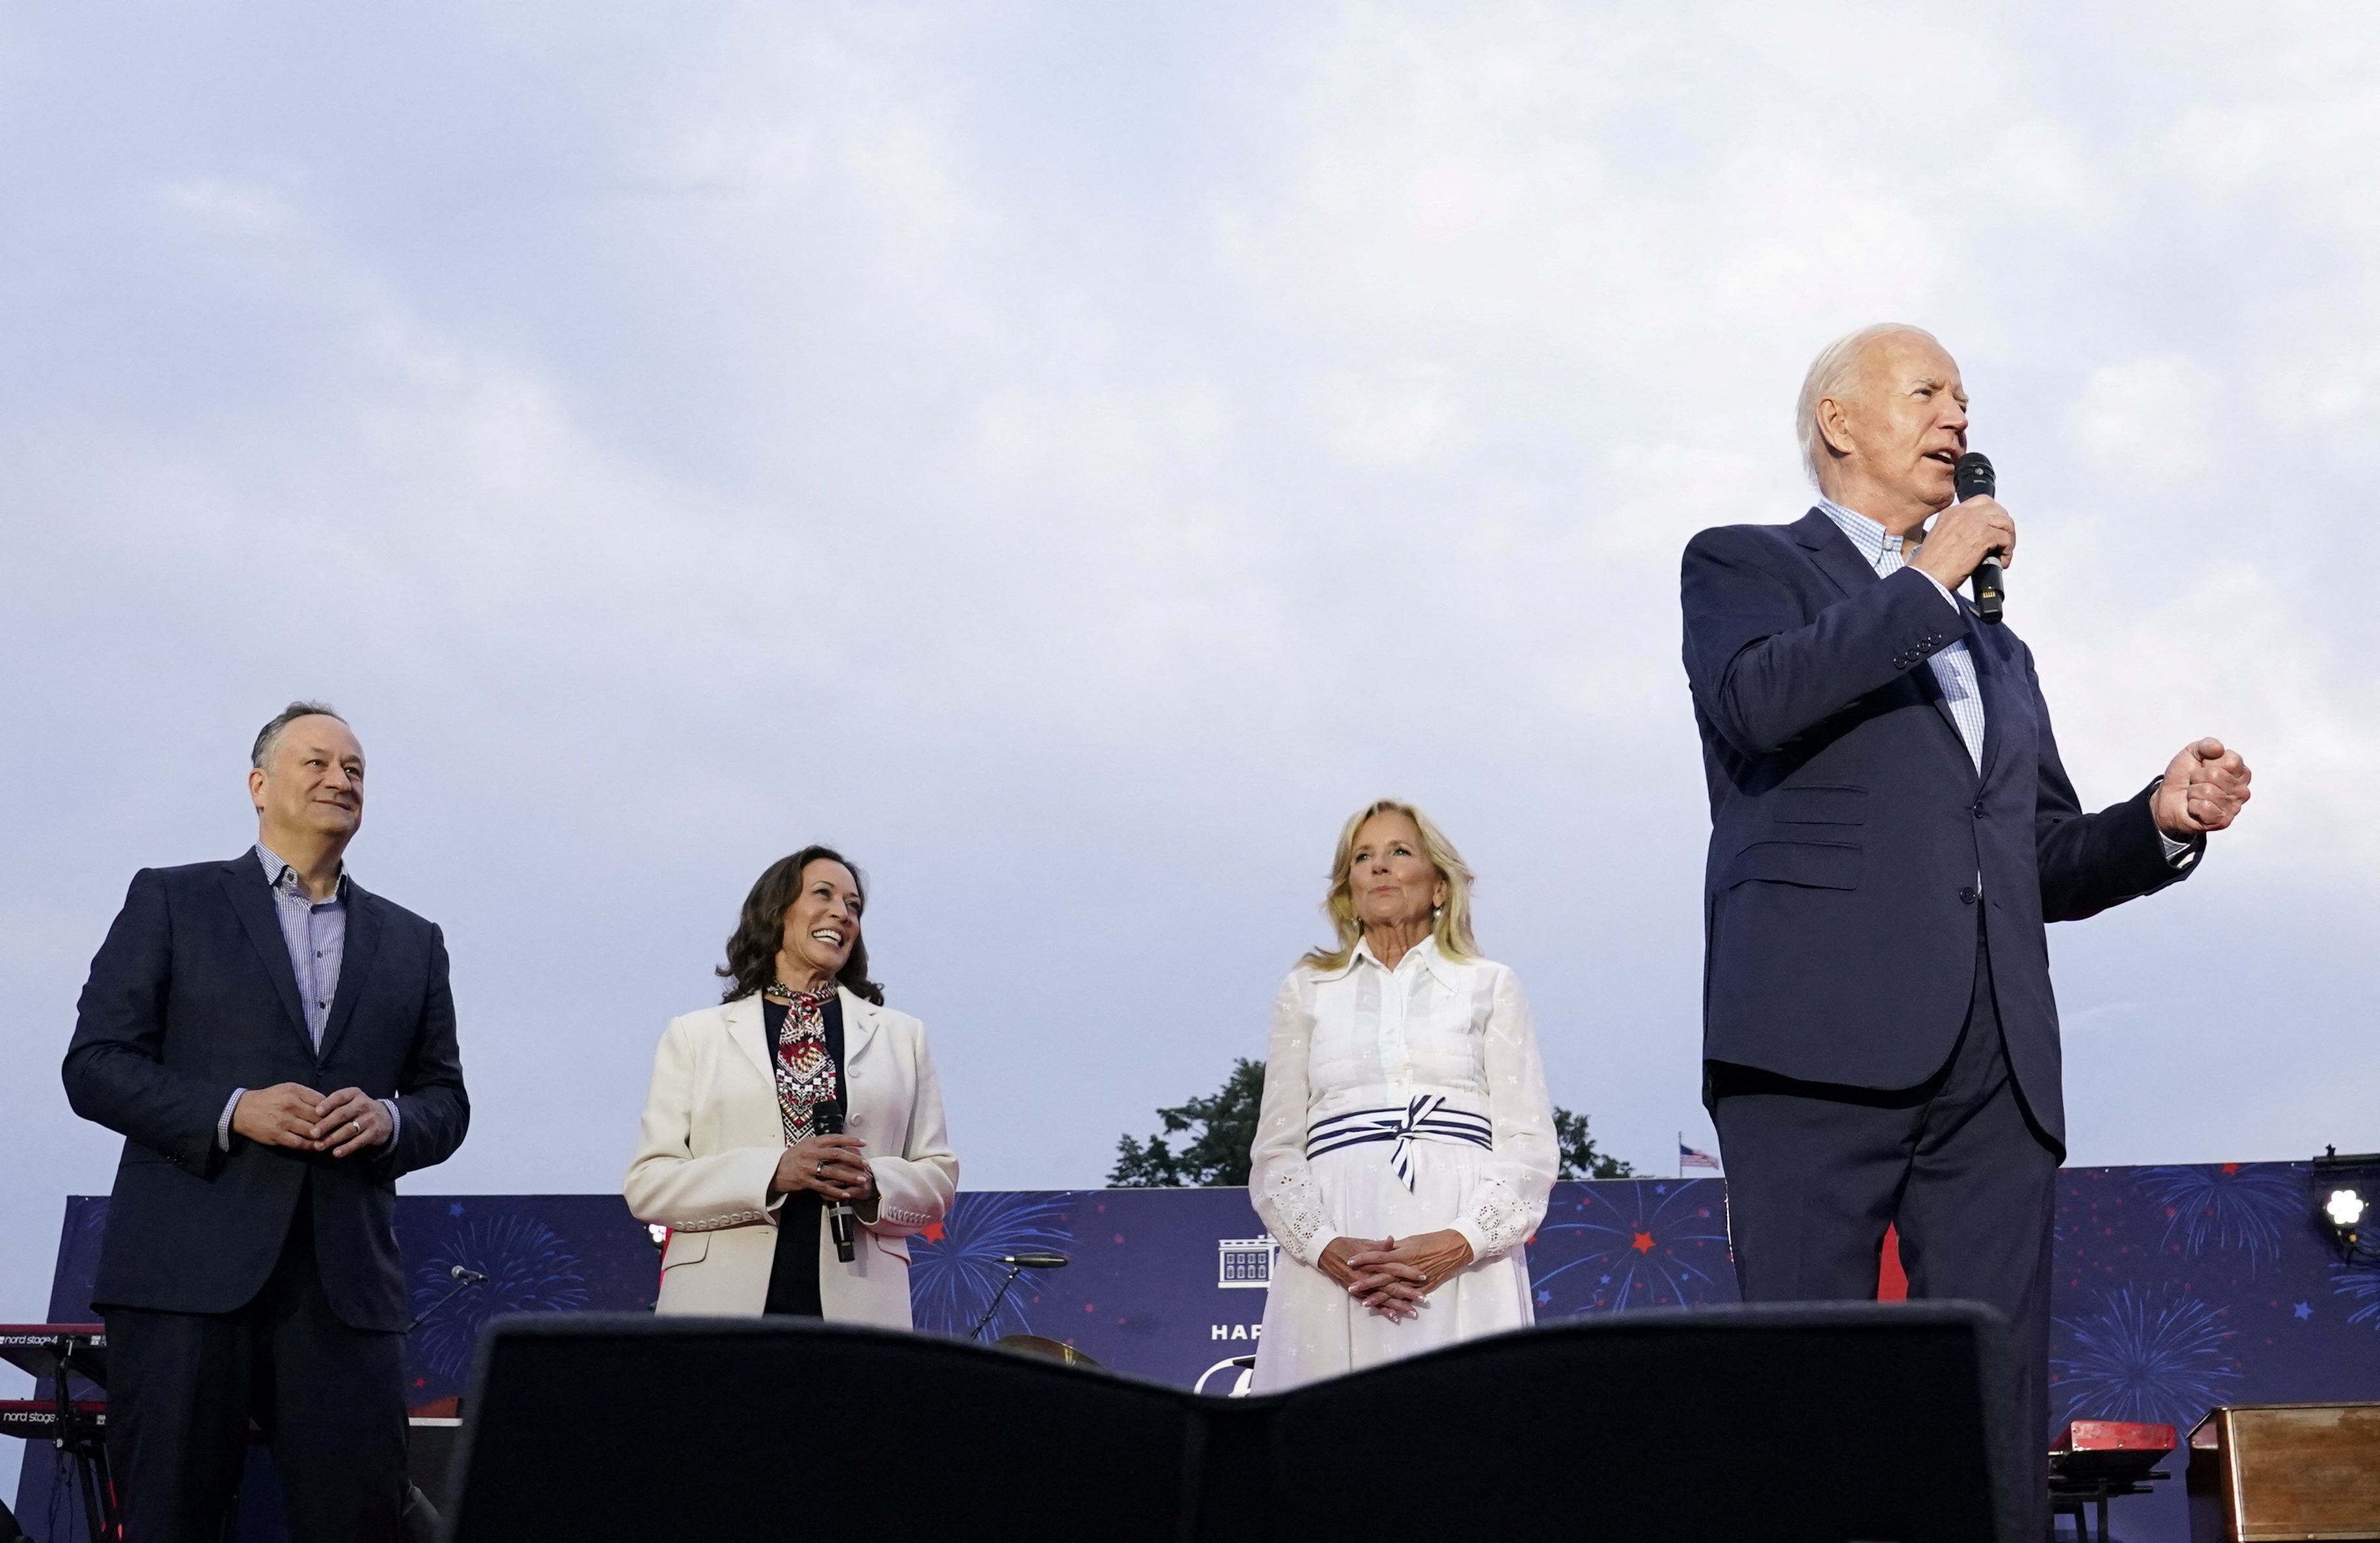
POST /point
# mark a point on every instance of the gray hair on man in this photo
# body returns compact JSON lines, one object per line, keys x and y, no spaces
{"x":1832,"y":374}
{"x":266,"y":736}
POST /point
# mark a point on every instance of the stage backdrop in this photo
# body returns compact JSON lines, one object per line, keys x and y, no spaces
{"x":2178,"y":1288}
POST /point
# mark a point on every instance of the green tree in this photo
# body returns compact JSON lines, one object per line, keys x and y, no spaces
{"x":1225,"y":1123}
{"x":1222,"y":1126}
{"x":1579,"y":1158}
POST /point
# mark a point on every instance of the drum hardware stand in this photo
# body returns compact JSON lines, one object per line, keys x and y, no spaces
{"x":58,"y":1353}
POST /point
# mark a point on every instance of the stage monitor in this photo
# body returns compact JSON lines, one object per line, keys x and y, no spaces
{"x":1830,"y":1424}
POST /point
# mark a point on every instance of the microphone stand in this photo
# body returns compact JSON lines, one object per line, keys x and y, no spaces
{"x":463,"y":1280}
{"x":1015,"y":1269}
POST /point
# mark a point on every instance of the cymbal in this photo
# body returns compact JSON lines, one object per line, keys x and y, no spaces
{"x":1055,"y":1350}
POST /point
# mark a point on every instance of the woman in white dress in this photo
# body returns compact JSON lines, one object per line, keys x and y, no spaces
{"x":1405,"y":1148}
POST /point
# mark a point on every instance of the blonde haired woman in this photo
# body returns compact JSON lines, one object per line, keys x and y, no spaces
{"x":1407,"y":1147}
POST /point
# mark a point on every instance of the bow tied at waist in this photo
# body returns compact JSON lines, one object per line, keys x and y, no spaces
{"x":1429,"y":1117}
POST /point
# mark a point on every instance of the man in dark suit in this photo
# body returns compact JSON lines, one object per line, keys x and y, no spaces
{"x":250,"y":1268}
{"x":1891,"y":829}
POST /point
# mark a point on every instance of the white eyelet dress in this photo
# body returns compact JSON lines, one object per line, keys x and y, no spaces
{"x":1398,"y":1103}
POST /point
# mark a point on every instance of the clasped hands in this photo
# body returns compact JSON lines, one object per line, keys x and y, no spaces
{"x":1392,"y":1278}
{"x":830,"y":1164}
{"x":294,"y":1115}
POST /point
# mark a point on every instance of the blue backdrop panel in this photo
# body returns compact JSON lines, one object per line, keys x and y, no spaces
{"x":2177,"y":1287}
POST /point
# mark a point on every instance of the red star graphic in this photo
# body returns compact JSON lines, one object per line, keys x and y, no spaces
{"x":934,"y":1233}
{"x":1644,"y":1244}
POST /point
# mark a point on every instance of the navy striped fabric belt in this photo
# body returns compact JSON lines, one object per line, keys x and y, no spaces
{"x":1430,"y":1118}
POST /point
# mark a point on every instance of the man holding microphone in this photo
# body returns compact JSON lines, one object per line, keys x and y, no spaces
{"x":1891,"y":829}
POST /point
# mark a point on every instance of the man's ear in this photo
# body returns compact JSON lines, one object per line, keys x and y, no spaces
{"x":1833,"y":426}
{"x":256,"y":788}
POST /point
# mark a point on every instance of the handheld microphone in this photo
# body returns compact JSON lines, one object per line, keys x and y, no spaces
{"x":838,"y":1216}
{"x":1973,"y":478}
{"x":1035,"y":1261}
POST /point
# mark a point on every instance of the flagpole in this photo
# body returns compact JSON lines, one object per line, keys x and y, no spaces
{"x":1681,"y":1154}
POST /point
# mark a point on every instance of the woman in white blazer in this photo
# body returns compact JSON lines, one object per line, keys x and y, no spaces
{"x":799,"y":1091}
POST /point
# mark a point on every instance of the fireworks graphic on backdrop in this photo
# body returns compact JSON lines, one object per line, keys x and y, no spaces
{"x":2359,"y":1282}
{"x":953,"y":1278}
{"x":1633,"y":1237}
{"x":2237,"y":1207}
{"x":528,"y":1270}
{"x":2157,"y":1356}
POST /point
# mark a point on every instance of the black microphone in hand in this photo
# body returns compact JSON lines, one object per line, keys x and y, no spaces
{"x":1973,"y":479}
{"x":840,"y":1219}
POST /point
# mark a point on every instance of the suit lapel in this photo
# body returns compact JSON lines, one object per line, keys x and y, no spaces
{"x":355,"y":962}
{"x":251,"y":900}
{"x":859,"y":1026}
{"x":747,"y":1028}
{"x":1833,"y":553}
{"x":1931,"y":685}
{"x":1991,"y":679}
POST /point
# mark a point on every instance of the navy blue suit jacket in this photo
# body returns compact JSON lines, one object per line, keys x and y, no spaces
{"x":1848,"y":825}
{"x":192,"y":995}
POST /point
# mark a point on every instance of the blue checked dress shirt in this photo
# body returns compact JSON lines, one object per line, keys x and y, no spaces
{"x":315,"y":933}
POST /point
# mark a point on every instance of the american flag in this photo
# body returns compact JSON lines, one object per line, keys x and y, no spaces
{"x":1694,"y":1157}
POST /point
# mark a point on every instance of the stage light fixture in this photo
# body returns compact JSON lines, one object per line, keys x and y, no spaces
{"x":2341,"y":1183}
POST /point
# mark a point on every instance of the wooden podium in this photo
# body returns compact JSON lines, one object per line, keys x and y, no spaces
{"x":2261,"y":1473}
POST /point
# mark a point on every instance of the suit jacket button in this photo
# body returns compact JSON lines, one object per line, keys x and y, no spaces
{"x":1968,"y":896}
{"x":1978,"y":809}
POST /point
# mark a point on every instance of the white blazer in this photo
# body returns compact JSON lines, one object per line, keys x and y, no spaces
{"x":710,"y":1137}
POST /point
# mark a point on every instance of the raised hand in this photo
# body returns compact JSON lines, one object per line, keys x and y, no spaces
{"x":2202,"y":789}
{"x":1963,"y":535}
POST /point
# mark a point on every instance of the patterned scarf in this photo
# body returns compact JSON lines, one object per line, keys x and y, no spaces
{"x":805,"y":1070}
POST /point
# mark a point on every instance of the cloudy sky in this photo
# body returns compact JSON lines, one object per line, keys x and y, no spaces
{"x":1071,"y":455}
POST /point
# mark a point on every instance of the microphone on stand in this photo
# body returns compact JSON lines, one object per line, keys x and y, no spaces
{"x":1017,"y":1264}
{"x":464,"y":1277}
{"x":840,"y":1217}
{"x":1973,"y":478}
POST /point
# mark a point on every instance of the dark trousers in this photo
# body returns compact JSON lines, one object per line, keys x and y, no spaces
{"x":182,"y":1388}
{"x":1816,"y":1172}
{"x":794,"y":1269}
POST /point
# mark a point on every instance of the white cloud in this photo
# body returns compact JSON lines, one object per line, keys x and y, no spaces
{"x":2149,"y":419}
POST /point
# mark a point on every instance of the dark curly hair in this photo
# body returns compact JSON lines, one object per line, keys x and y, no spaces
{"x":752,"y":950}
